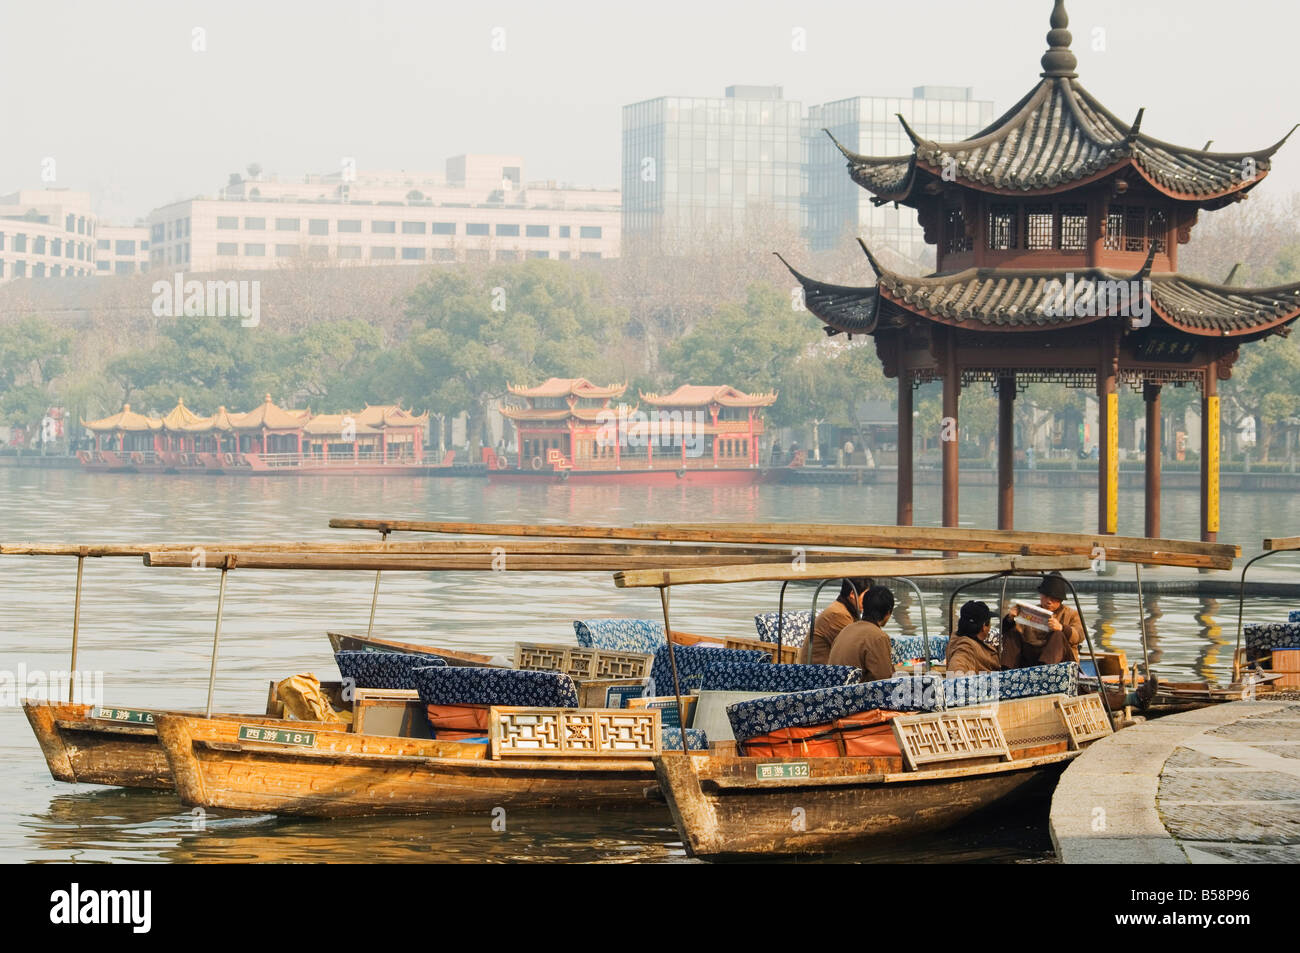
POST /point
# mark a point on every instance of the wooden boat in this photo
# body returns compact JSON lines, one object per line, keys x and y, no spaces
{"x":349,"y":642}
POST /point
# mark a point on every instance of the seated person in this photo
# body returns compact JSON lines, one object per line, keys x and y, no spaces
{"x":846,"y":609}
{"x":1023,"y":646}
{"x":969,"y":649}
{"x":864,"y":643}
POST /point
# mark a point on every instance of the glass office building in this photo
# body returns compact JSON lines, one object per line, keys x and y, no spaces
{"x":836,"y":210}
{"x":699,"y":170}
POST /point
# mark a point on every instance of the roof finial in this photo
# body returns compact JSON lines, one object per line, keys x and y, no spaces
{"x":1058,"y":60}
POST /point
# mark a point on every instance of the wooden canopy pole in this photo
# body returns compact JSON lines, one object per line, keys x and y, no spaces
{"x":1151,"y":394}
{"x":1210,"y":453}
{"x":948,"y":430}
{"x":1006,"y":452}
{"x":905,"y":438}
{"x":216,"y":634}
{"x":374,"y":600}
{"x":76,"y":627}
{"x":1108,"y":435}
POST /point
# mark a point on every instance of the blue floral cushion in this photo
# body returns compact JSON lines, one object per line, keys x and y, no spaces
{"x":383,"y":669}
{"x":1293,"y":615}
{"x":461,"y":685}
{"x":693,"y":661}
{"x":621,"y":635}
{"x":766,"y":677}
{"x":1262,"y":637}
{"x":794,"y":631}
{"x":980,"y":688}
{"x":824,"y":705}
{"x":671,"y":738}
{"x":904,"y":648}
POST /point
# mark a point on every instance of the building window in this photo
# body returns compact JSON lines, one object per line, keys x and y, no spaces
{"x":1114,"y":228}
{"x":1039,"y":222}
{"x":413,"y":254}
{"x":227,"y":248}
{"x":564,"y":231}
{"x":318,"y":226}
{"x":38,"y":270}
{"x":286,"y":251}
{"x":444,"y":228}
{"x":476,"y":228}
{"x":123,"y":246}
{"x":99,"y":266}
{"x":1135,"y":229}
{"x":70,"y":223}
{"x":1157,"y":229}
{"x":125,"y":268}
{"x":20,"y":268}
{"x":255,"y":224}
{"x":383,"y":228}
{"x":384,"y":252}
{"x":589,"y":231}
{"x":591,"y":254}
{"x":227,"y":221}
{"x":318,"y":251}
{"x":349,"y":251}
{"x":255,"y":249}
{"x":103,"y":244}
{"x":443,"y":254}
{"x":539,"y":254}
{"x":1074,"y":228}
{"x":508,"y":231}
{"x":38,"y":245}
{"x":288,"y":224}
{"x":537,"y":231}
{"x":1002,"y":228}
{"x":955,"y":239}
{"x":349,"y":225}
{"x":413,"y":228}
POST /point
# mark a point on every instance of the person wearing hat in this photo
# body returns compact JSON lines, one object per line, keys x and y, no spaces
{"x":969,"y":649}
{"x":844,"y":611}
{"x":1024,"y":646}
{"x":864,"y":644}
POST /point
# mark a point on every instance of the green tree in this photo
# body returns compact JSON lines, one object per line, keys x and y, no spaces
{"x":33,"y":352}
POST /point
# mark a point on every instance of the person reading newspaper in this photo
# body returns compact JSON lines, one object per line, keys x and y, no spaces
{"x":1027,"y":642}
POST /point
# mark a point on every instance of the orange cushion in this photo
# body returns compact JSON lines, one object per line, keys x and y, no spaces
{"x":471,"y":719}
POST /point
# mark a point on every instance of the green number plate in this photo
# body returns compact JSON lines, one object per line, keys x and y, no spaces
{"x":781,"y":770}
{"x":124,"y":715}
{"x":277,"y":736}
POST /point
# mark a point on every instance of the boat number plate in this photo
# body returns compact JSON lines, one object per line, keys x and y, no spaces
{"x":781,"y":770}
{"x":130,"y":715}
{"x":277,"y":736}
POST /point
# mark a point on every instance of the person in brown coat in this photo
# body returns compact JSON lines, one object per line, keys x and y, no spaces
{"x":845,"y":610}
{"x":1024,"y":646}
{"x":864,"y":643}
{"x":968,"y":649}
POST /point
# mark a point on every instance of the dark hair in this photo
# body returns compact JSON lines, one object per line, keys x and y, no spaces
{"x":847,"y":588}
{"x":877,"y":603}
{"x":974,"y":616}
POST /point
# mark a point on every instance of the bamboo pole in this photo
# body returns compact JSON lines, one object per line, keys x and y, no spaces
{"x":76,"y":629}
{"x":374,"y":600}
{"x":216,"y":641}
{"x":447,"y":546}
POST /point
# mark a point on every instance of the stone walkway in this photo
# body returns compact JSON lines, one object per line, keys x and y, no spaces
{"x":1218,"y":785}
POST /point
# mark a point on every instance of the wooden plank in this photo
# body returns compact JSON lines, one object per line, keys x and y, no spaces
{"x":973,"y":565}
{"x":449,"y":562}
{"x":447,"y":546}
{"x":1117,"y":549}
{"x":1282,"y":542}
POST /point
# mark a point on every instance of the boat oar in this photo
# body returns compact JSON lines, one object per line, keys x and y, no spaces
{"x":76,"y":627}
{"x":374,"y":600}
{"x":216,"y":634}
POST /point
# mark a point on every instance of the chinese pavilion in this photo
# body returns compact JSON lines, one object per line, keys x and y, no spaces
{"x":1057,"y":231}
{"x":569,"y":427}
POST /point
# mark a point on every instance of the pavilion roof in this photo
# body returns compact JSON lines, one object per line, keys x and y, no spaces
{"x":221,"y":420}
{"x":390,"y":415}
{"x":700,"y":395}
{"x":567,"y":387}
{"x":268,"y":415}
{"x":181,"y":417}
{"x":586,"y":414}
{"x":1059,"y":135}
{"x":126,"y":420}
{"x":325,"y":424}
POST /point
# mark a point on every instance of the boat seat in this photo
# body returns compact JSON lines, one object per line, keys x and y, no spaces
{"x":621,"y":635}
{"x":383,"y":669}
{"x":904,"y":648}
{"x":695,"y":661}
{"x":980,"y":688}
{"x":1262,"y":637}
{"x":765,"y":677}
{"x":794,"y":631}
{"x":461,"y":685}
{"x":1293,"y":615}
{"x":670,"y":738}
{"x":761,"y":716}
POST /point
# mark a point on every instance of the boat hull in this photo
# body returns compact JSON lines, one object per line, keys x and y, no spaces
{"x":348,"y":642}
{"x":702,"y":477}
{"x":722,"y":810}
{"x":349,"y":775}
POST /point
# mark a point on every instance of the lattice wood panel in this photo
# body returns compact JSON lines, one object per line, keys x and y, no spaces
{"x":1032,"y":722}
{"x":580,"y":732}
{"x":1085,"y":718}
{"x":581,"y":663}
{"x":949,"y":736}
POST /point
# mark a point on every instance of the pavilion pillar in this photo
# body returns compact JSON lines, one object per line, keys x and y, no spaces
{"x":383,"y":442}
{"x":948,"y":431}
{"x":1108,"y":436}
{"x":1006,"y":452}
{"x":1210,"y":454}
{"x":905,"y":438}
{"x":1151,"y":394}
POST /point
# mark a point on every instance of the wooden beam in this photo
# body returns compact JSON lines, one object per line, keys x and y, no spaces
{"x":1282,"y":542}
{"x":636,"y":579}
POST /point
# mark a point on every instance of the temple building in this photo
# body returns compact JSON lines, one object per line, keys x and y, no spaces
{"x":1056,"y":231}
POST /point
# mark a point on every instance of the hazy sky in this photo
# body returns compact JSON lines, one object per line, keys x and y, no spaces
{"x":116,"y":94}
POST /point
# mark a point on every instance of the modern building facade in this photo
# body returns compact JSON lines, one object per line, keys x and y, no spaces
{"x":121,"y":249}
{"x":46,"y":233}
{"x":835,"y":208}
{"x":696,"y":170}
{"x":480,"y":209}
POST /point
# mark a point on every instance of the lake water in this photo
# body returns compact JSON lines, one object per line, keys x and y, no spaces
{"x":149,"y":631}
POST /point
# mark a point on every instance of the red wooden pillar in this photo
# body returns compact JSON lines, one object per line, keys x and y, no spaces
{"x":1006,"y":452}
{"x":905,"y":439}
{"x":383,"y":445}
{"x":753,"y":450}
{"x":713,"y":413}
{"x":1210,"y":454}
{"x":1151,"y":394}
{"x":948,"y":430}
{"x":264,"y":450}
